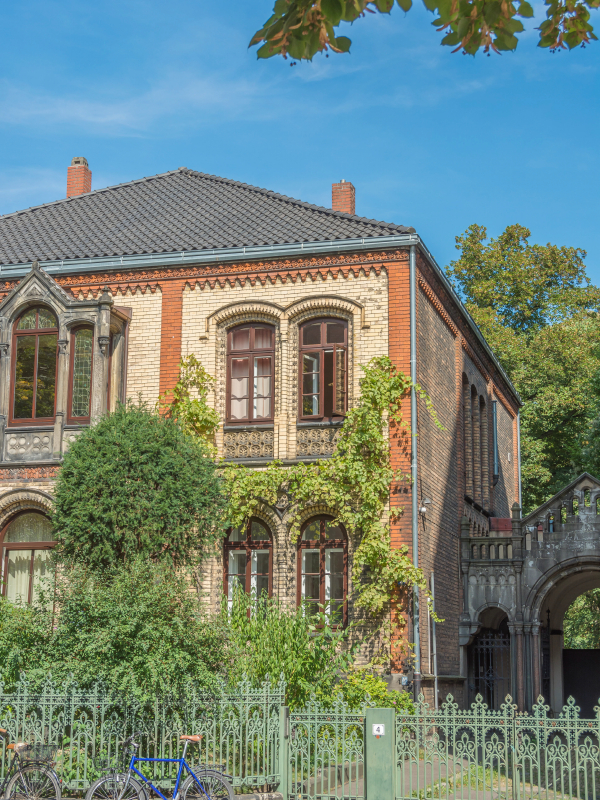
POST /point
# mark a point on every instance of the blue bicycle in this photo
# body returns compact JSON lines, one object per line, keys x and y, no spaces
{"x":203,"y":784}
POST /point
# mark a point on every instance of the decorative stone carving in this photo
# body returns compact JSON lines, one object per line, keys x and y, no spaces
{"x":4,"y":347}
{"x":68,"y":437}
{"x":316,"y":441}
{"x":25,"y":446}
{"x":103,"y":344}
{"x":249,"y":444}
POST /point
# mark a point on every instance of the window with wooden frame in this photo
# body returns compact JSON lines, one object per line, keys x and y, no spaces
{"x":323,"y":369}
{"x":34,"y":361}
{"x":249,"y":560}
{"x":80,"y":375}
{"x":26,"y":543}
{"x":323,"y":569}
{"x":250,"y":373}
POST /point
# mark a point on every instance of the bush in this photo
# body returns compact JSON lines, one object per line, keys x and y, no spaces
{"x":136,"y":483}
{"x":360,"y":685}
{"x":272,"y":640}
{"x":137,"y":627}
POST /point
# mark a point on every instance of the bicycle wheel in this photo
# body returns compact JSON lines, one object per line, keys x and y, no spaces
{"x":213,"y":783}
{"x":34,"y":782}
{"x":110,"y":787}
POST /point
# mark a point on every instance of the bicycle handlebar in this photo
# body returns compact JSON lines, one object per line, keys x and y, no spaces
{"x":131,"y":738}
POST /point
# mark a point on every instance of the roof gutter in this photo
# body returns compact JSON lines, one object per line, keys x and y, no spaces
{"x":259,"y":253}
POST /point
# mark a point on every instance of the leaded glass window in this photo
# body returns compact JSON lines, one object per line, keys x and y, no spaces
{"x":81,"y":373}
{"x":34,"y":369}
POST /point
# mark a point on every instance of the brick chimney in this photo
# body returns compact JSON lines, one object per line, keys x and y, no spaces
{"x":79,"y":177}
{"x":342,"y":197}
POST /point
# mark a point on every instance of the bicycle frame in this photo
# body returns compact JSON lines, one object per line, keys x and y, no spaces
{"x":182,"y":764}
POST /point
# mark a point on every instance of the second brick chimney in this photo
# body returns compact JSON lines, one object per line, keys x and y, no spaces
{"x":342,"y":197}
{"x":79,"y":177}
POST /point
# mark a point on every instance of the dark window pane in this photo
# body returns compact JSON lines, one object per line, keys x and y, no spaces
{"x":240,"y":339}
{"x":311,"y":559}
{"x":82,"y":373}
{"x":310,"y":362}
{"x":236,"y":535}
{"x":328,"y":383}
{"x":263,"y":338}
{"x":27,"y":321}
{"x":310,"y":406}
{"x":336,"y":612}
{"x":262,"y":585}
{"x":312,"y":531}
{"x":311,"y":587}
{"x":311,"y":334}
{"x":258,"y":531}
{"x":237,"y":562}
{"x":46,"y":376}
{"x":46,"y":319}
{"x":336,"y":562}
{"x":333,"y":531}
{"x":24,"y":369}
{"x":310,"y":383}
{"x":337,"y":587}
{"x":340,"y":381}
{"x":262,"y":563}
{"x":335,"y":332}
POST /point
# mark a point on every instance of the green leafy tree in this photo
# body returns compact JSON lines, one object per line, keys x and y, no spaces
{"x":302,"y":28}
{"x":582,"y":622}
{"x":538,"y":311}
{"x":136,"y":483}
{"x":137,"y":627}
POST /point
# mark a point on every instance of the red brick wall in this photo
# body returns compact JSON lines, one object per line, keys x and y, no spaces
{"x":343,"y":197}
{"x":79,"y":180}
{"x":170,"y":339}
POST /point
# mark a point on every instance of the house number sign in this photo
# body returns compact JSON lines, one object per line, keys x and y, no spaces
{"x":378,"y":730}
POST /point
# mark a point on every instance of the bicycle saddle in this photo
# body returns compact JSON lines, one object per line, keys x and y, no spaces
{"x":190,"y":738}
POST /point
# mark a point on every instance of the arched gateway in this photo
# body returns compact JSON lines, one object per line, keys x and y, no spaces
{"x":518,"y":582}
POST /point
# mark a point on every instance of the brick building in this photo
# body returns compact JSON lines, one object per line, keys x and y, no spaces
{"x":282,"y":301}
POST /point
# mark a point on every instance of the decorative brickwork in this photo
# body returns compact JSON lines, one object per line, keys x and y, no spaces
{"x":248,"y":444}
{"x":28,"y":473}
{"x":316,"y":441}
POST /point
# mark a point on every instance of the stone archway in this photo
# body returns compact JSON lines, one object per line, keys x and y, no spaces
{"x":549,"y":602}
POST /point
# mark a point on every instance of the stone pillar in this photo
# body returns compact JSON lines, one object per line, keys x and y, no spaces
{"x":520,"y":673}
{"x":535,"y":662}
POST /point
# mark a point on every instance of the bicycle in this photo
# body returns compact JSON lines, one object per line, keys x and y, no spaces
{"x":30,"y":775}
{"x":207,"y":784}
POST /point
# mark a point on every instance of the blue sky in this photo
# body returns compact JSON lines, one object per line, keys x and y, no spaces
{"x":429,"y":139}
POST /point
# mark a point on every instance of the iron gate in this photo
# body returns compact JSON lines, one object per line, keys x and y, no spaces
{"x":489,"y":666}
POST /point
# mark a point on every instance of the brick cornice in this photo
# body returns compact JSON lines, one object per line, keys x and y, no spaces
{"x":8,"y":473}
{"x":437,"y":304}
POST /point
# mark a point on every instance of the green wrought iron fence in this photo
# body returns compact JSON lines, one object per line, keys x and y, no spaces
{"x":480,"y":754}
{"x":326,"y":753}
{"x":240,"y":729}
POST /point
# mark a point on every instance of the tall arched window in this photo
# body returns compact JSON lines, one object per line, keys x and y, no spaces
{"x":323,"y":369}
{"x":80,"y":380}
{"x":35,"y":353}
{"x":323,"y":568}
{"x":485,"y":454}
{"x":467,"y":437}
{"x":26,"y":543}
{"x":476,"y":446}
{"x":250,"y":384}
{"x":249,"y":560}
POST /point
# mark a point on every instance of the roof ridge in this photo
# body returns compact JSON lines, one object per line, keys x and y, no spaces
{"x":217,"y":179}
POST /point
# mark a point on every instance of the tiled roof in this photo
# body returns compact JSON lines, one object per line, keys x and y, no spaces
{"x":172,"y":212}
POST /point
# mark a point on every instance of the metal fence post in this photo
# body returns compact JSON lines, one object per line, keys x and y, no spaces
{"x":380,"y":754}
{"x":284,"y":751}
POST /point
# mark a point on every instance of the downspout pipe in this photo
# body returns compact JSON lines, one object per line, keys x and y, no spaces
{"x":519,"y":455}
{"x":414,"y":465}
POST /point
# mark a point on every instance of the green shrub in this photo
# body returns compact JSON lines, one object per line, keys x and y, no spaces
{"x":360,"y":685}
{"x":136,"y":483}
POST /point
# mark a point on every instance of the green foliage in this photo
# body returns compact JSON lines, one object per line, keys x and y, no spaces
{"x":582,"y":622}
{"x":537,"y":309}
{"x":355,"y":482}
{"x":302,"y":28}
{"x":271,"y":640}
{"x":360,"y":684}
{"x":187,"y":401}
{"x":136,"y":483}
{"x":136,"y":626}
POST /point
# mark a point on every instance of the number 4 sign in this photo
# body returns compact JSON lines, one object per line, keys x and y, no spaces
{"x":378,"y":730}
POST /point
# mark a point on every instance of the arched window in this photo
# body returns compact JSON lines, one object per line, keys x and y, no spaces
{"x":323,"y":369}
{"x":323,"y":568}
{"x":250,"y":383}
{"x":485,"y":455}
{"x":249,"y":560}
{"x":35,"y":337}
{"x":467,"y":437}
{"x":26,"y":543}
{"x":80,"y":381}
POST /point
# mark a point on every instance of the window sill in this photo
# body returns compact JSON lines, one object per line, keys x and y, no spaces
{"x":249,"y":426}
{"x":319,"y":423}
